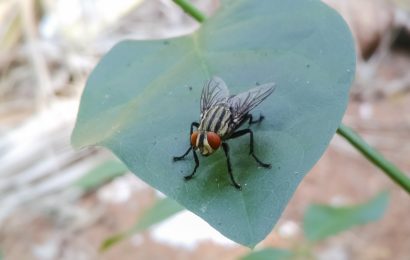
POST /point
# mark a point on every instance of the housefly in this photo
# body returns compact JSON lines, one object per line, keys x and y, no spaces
{"x":222,"y":115}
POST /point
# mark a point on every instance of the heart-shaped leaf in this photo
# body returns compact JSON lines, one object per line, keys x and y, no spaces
{"x":143,"y":95}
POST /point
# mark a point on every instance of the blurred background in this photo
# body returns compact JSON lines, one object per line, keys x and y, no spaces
{"x":57,"y":203}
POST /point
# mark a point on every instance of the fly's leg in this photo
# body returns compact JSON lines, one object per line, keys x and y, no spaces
{"x":228,"y":161}
{"x":196,"y":124}
{"x":249,"y":131}
{"x":178,"y":158}
{"x":251,"y":121}
{"x":188,"y":177}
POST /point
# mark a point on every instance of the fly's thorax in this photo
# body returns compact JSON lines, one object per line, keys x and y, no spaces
{"x":206,"y":142}
{"x":217,"y":119}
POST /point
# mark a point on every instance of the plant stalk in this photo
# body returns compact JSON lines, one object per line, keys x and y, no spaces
{"x":191,"y":10}
{"x":366,"y":150}
{"x":375,"y":157}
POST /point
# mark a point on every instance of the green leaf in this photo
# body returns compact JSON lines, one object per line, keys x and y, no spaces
{"x":142,"y":97}
{"x":101,"y":174}
{"x":269,"y":254}
{"x":160,"y":211}
{"x":322,"y":221}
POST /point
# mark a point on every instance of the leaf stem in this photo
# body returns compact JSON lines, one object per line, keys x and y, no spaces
{"x":366,"y":150}
{"x":191,"y":10}
{"x":375,"y":157}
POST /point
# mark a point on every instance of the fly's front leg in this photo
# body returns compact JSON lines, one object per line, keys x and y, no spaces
{"x":228,"y":161}
{"x":249,"y":131}
{"x":177,"y":158}
{"x":196,"y":124}
{"x":251,"y":121}
{"x":187,"y":178}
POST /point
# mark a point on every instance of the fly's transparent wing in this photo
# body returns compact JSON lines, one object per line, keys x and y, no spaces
{"x":246,"y":101}
{"x":214,"y":92}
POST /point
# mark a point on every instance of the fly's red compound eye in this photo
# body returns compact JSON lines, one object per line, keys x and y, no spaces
{"x":194,"y":137}
{"x":213,"y":140}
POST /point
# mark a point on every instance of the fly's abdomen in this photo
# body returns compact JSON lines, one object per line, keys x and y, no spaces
{"x":216,"y":119}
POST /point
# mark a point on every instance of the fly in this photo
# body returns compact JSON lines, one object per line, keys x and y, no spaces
{"x":221,"y":117}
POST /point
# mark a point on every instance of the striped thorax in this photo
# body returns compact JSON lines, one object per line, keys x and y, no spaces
{"x":215,"y":125}
{"x":216,"y":119}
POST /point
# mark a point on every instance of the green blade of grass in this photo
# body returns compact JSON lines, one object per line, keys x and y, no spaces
{"x":160,"y":211}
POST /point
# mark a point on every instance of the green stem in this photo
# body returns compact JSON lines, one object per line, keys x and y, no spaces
{"x":371,"y":154}
{"x":191,"y":10}
{"x":375,"y":157}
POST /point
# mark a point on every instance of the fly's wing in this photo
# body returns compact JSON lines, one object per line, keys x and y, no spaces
{"x":214,"y":92}
{"x":246,"y":101}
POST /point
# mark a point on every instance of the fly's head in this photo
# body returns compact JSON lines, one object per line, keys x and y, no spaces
{"x":206,"y":142}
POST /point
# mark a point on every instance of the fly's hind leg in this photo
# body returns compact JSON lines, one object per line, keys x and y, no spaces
{"x":251,"y":121}
{"x":249,"y":131}
{"x":178,"y":158}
